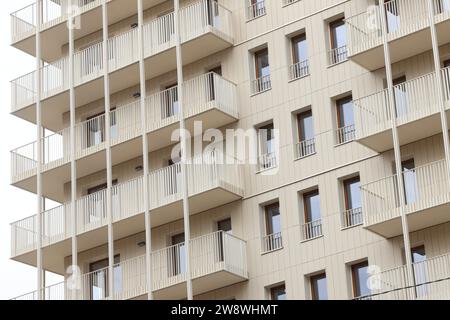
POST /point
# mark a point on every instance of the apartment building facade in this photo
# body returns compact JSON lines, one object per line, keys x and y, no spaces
{"x":349,"y":197}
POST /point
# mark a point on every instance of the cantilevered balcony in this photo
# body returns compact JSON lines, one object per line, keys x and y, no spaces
{"x":431,"y":282}
{"x":217,"y":260}
{"x":427,"y":200}
{"x":210,"y":185}
{"x":203,"y":24}
{"x":208,"y":98}
{"x":417,"y":104}
{"x":408,"y":31}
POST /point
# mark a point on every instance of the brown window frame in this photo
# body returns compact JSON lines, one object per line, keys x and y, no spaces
{"x":346,"y":183}
{"x":269,"y":223}
{"x":275,"y":290}
{"x":354,"y":267}
{"x":333,"y":25}
{"x":312,"y":280}
{"x":300,"y":117}
{"x":446,"y":63}
{"x":339,"y":103}
{"x":91,"y":270}
{"x":294,"y":40}
{"x":256,"y":55}
{"x":100,"y":187}
{"x":305,"y":206}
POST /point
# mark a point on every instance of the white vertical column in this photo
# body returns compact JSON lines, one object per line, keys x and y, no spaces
{"x":183,"y":137}
{"x":441,"y":92}
{"x":73,"y":163}
{"x":397,"y":151}
{"x":108,"y":151}
{"x":146,"y":164}
{"x":39,"y":153}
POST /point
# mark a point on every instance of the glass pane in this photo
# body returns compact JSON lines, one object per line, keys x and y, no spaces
{"x":319,"y":287}
{"x":262,"y":64}
{"x":409,"y":180}
{"x":361,"y":277}
{"x":345,"y":110}
{"x":339,"y":35}
{"x":306,"y":126}
{"x":300,"y":49}
{"x":353,"y":194}
{"x":273,"y":219}
{"x":312,"y":203}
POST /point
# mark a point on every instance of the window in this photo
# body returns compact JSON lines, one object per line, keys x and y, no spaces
{"x":96,"y":204}
{"x":299,"y":67}
{"x":360,"y":277}
{"x":177,"y":256}
{"x":392,"y":16}
{"x":419,"y":256}
{"x":272,"y":219}
{"x":345,"y":119}
{"x":319,"y":287}
{"x":212,"y":78}
{"x":267,"y":156}
{"x":278,"y":293}
{"x":400,"y":96}
{"x":256,"y":8}
{"x":95,"y":127}
{"x":313,"y":220}
{"x":262,"y":71}
{"x":338,"y":38}
{"x":306,"y":142}
{"x":409,"y":181}
{"x":352,"y":197}
{"x":213,"y":13}
{"x":98,"y":278}
{"x":172,"y":177}
{"x":442,"y":6}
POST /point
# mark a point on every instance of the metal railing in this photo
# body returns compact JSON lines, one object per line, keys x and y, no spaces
{"x":345,"y":134}
{"x":305,"y":148}
{"x":351,"y":218}
{"x":268,"y":161}
{"x":337,"y":55}
{"x":261,"y":84}
{"x":312,"y":230}
{"x":299,"y":70}
{"x":256,"y":10}
{"x":272,"y":242}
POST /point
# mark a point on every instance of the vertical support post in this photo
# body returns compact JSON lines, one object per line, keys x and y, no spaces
{"x":73,"y":163}
{"x":397,"y":151}
{"x":440,"y":84}
{"x":39,"y":153}
{"x":145,"y":159}
{"x":108,"y":151}
{"x":183,"y":137}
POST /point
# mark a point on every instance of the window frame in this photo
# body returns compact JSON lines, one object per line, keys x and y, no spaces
{"x":256,"y":55}
{"x":346,"y":183}
{"x":339,"y":105}
{"x":277,"y":289}
{"x":354,"y":274}
{"x":306,"y":195}
{"x":301,"y":116}
{"x":333,"y":25}
{"x":294,"y":41}
{"x":313,"y":284}
{"x":269,"y":221}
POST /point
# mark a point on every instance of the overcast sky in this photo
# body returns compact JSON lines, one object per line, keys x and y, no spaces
{"x":15,"y":278}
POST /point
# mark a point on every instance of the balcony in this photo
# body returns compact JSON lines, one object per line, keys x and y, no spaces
{"x":427,"y":198}
{"x":217,"y":260}
{"x":271,"y":243}
{"x":431,"y":281}
{"x":408,"y":31}
{"x":208,"y":98}
{"x":202,"y":26}
{"x":210,"y":185}
{"x":417,"y":104}
{"x":256,"y":10}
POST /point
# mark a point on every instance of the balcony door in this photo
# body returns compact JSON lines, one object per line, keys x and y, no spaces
{"x":213,"y":13}
{"x":211,"y":82}
{"x":400,"y":96}
{"x":392,"y":15}
{"x":409,"y":181}
{"x":96,"y":130}
{"x":442,"y":6}
{"x":360,"y":277}
{"x":96,"y":205}
{"x":262,"y":69}
{"x":352,"y":195}
{"x":419,"y":257}
{"x":305,"y":127}
{"x":172,"y":177}
{"x":299,"y":49}
{"x":272,"y":219}
{"x":266,"y":139}
{"x":165,"y":27}
{"x":177,"y":256}
{"x":338,"y":37}
{"x":313,"y":225}
{"x":225,"y":227}
{"x":170,"y":106}
{"x":98,"y":278}
{"x":346,"y":120}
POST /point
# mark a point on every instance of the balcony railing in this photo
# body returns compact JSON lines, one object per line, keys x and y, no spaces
{"x":403,"y":17}
{"x":127,"y":201}
{"x":272,"y":242}
{"x":312,"y":230}
{"x":256,"y":10}
{"x":209,"y":254}
{"x":195,"y":19}
{"x":413,"y":100}
{"x":268,"y":161}
{"x":305,"y":148}
{"x":201,"y":94}
{"x":337,"y":55}
{"x":261,"y":84}
{"x":299,"y":70}
{"x":431,"y":278}
{"x":351,"y":218}
{"x":345,"y":134}
{"x":424,"y":187}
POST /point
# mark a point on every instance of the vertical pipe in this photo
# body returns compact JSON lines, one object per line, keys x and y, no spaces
{"x":183,"y":137}
{"x":108,"y":151}
{"x":146,"y":164}
{"x":39,"y":147}
{"x":73,"y":163}
{"x":441,"y":92}
{"x":397,"y":151}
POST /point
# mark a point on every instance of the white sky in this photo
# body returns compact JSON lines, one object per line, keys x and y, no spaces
{"x":15,"y":278}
